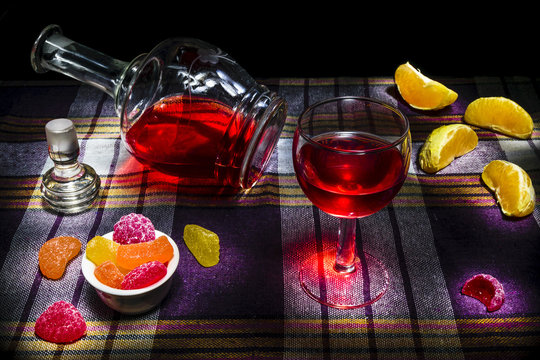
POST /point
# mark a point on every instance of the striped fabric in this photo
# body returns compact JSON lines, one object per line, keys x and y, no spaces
{"x":438,"y":231}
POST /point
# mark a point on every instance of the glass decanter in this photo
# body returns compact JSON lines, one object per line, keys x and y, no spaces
{"x":186,"y":108}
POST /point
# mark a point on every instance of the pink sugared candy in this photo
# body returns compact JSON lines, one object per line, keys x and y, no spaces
{"x":144,"y":275}
{"x":133,"y":228}
{"x":60,"y":323}
{"x":485,"y":288}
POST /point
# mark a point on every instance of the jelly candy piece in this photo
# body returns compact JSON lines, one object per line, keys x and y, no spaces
{"x":108,"y":274}
{"x":55,"y":254}
{"x":133,"y":228}
{"x":144,"y":275}
{"x":203,"y":244}
{"x":60,"y":323}
{"x":100,"y":249}
{"x":132,"y":255}
{"x":485,"y":288}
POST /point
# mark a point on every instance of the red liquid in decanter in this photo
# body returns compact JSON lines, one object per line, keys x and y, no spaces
{"x":183,"y":135}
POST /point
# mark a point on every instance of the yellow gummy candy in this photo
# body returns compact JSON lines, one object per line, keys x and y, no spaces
{"x":100,"y":249}
{"x":203,"y":244}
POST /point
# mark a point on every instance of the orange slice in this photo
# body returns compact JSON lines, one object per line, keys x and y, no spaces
{"x":512,"y":187}
{"x":421,"y":92}
{"x":499,"y":114}
{"x":444,"y":144}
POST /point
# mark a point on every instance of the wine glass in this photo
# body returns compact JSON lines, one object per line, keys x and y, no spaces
{"x":351,"y":156}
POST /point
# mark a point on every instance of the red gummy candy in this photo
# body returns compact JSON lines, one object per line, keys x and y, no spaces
{"x":485,"y":288}
{"x":60,"y":323}
{"x":144,"y":275}
{"x":133,"y":228}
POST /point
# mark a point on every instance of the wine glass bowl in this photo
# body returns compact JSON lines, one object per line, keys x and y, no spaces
{"x":351,"y":156}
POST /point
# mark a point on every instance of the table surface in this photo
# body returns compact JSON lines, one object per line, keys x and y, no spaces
{"x":438,"y":231}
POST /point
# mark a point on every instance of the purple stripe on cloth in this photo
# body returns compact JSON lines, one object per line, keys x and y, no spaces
{"x":406,"y":283}
{"x":9,"y":222}
{"x":142,"y":191}
{"x":325,"y":334}
{"x":501,"y":323}
{"x":98,"y":113}
{"x":367,"y":294}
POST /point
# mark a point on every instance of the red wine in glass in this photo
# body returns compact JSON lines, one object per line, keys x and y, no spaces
{"x":347,"y":182}
{"x":351,"y":156}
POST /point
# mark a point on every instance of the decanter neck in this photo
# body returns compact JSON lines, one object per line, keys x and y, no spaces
{"x":53,"y":51}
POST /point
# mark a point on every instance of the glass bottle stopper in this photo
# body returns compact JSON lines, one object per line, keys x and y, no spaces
{"x":70,"y":186}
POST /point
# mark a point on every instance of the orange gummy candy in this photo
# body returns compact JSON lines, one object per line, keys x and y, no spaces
{"x":129,"y":256}
{"x":108,"y":274}
{"x":55,"y":254}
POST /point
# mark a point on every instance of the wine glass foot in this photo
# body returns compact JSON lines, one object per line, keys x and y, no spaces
{"x":359,"y":288}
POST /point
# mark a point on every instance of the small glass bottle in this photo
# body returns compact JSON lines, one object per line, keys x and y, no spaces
{"x":68,"y":187}
{"x":186,"y":108}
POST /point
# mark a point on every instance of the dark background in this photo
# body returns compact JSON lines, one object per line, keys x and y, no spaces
{"x":292,"y":39}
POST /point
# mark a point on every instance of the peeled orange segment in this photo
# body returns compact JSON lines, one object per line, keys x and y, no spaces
{"x":203,"y":244}
{"x":444,"y":144}
{"x":421,"y":92}
{"x":501,"y":115}
{"x":512,"y":187}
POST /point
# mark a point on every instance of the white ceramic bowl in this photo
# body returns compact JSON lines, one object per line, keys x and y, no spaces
{"x":134,"y":301}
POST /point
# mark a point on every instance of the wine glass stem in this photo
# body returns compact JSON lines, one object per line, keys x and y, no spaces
{"x":346,"y":247}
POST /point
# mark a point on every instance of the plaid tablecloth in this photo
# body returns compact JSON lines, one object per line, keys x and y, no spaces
{"x":439,"y":230}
